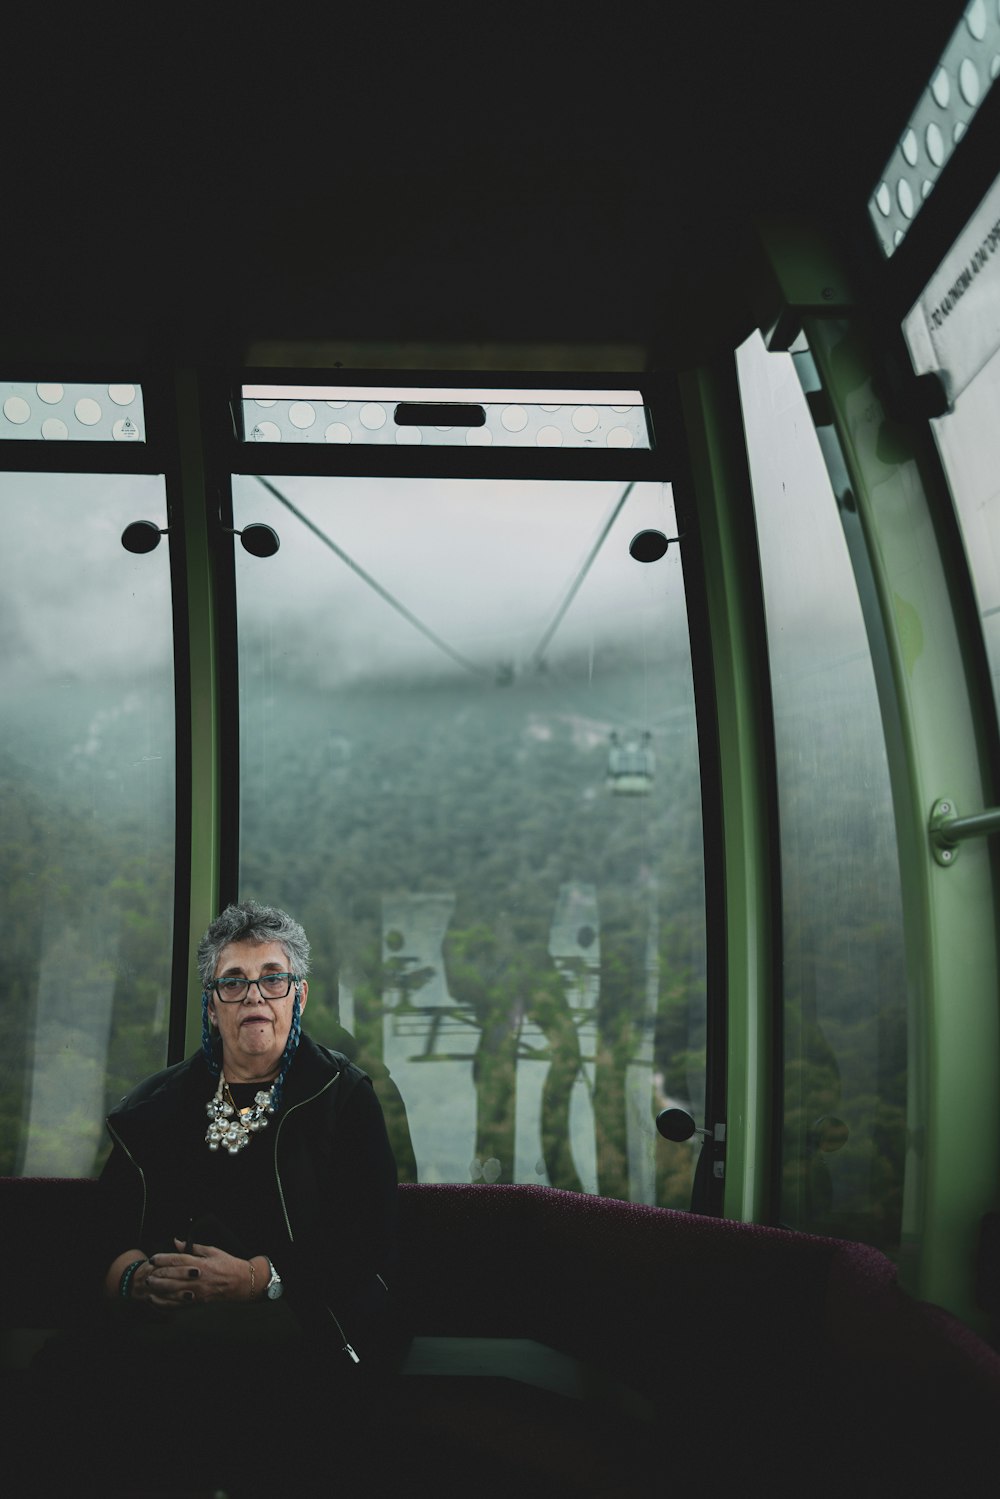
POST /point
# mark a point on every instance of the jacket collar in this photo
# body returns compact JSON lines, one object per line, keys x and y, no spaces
{"x":190,"y":1083}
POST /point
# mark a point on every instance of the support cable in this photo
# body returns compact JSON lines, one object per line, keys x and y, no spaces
{"x":383,"y":593}
{"x":574,"y":587}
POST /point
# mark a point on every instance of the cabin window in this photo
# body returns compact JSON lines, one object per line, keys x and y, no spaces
{"x":844,"y":1032}
{"x":87,"y":773}
{"x":435,"y":675}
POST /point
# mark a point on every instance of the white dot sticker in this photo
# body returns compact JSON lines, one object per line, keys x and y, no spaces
{"x":479,"y":437}
{"x":910,"y":149}
{"x":87,"y":411}
{"x":16,"y":410}
{"x":50,"y":394}
{"x":301,"y":415}
{"x":941,"y":88}
{"x":934,"y":141}
{"x":968,"y":82}
{"x":585,"y":419}
{"x":514,"y":418}
{"x":883,"y":199}
{"x":549,"y":437}
{"x":53,"y":430}
{"x":260,"y":401}
{"x":904,"y":197}
{"x":975,"y":19}
{"x":338,"y":432}
{"x":409,"y":437}
{"x":266,"y":432}
{"x":620,"y":437}
{"x":125,"y":430}
{"x":372,"y":416}
{"x":337,"y":405}
{"x":122,"y":395}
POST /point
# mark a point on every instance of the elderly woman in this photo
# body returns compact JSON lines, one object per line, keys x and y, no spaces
{"x":250,"y":1201}
{"x":259,"y":1169}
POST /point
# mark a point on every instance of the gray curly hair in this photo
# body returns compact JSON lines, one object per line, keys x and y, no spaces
{"x":249,"y":921}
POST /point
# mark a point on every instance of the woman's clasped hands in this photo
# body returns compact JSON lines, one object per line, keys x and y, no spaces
{"x":196,"y":1273}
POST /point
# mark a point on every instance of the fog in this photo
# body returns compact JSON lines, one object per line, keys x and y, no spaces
{"x":75,"y":604}
{"x":484,"y":565}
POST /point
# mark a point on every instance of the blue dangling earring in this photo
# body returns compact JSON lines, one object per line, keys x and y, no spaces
{"x":208,"y":1050}
{"x":291,"y":1045}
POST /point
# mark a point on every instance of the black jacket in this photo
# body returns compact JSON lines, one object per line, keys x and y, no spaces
{"x":315,"y":1191}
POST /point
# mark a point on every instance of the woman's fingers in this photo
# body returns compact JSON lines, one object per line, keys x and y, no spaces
{"x":170,"y":1280}
{"x":176,"y":1271}
{"x":170,"y":1285}
{"x":200,"y":1251}
{"x":206,"y":1274}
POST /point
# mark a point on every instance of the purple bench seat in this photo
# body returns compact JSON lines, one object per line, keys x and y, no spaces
{"x":731,"y":1345}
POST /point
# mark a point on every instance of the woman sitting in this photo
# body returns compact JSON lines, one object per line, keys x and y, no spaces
{"x":249,"y":1214}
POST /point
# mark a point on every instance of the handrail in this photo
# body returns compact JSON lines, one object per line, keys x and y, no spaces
{"x":947,"y":830}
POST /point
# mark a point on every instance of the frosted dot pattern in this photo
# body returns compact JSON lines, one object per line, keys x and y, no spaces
{"x":50,"y":412}
{"x":372,"y":423}
{"x":301,"y":414}
{"x":960,"y":82}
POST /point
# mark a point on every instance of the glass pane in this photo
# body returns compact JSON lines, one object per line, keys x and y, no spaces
{"x":54,"y":412}
{"x":451,"y":417}
{"x":87,"y":812}
{"x":486,"y":812}
{"x":844,"y":985}
{"x":955,"y":330}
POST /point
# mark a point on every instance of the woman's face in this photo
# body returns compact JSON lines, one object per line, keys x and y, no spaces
{"x":253,"y":1030}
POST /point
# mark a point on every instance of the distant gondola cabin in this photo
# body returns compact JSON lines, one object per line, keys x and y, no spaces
{"x":631,"y":766}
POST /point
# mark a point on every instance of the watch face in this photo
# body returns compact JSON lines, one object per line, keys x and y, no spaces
{"x":274,"y":1290}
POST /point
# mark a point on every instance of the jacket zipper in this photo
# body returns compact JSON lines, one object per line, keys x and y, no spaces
{"x":345,"y":1345}
{"x":142,"y":1176}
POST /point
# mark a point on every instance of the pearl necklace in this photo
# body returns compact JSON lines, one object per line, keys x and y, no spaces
{"x":233,"y":1127}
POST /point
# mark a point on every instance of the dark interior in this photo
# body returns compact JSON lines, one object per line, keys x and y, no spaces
{"x":533,"y":187}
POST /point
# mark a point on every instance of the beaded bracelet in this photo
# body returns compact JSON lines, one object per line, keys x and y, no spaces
{"x":125,"y":1284}
{"x":250,"y":1263}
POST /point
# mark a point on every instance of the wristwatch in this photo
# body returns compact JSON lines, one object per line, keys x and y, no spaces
{"x":274,"y":1287}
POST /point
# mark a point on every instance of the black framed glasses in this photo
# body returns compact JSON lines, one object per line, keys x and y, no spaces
{"x":270,"y":986}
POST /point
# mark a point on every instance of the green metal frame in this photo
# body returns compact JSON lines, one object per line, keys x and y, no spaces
{"x":203,"y":677}
{"x":938,"y":735}
{"x":720,"y":477}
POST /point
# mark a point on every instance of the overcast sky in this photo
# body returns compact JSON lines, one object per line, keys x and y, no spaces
{"x":485,"y":565}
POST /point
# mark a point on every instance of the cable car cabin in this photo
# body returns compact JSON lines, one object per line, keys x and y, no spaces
{"x":375,"y":448}
{"x":631,"y":766}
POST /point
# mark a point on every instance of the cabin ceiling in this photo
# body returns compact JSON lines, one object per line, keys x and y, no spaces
{"x":506,"y":177}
